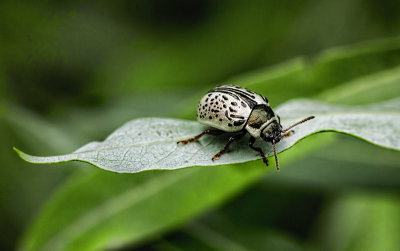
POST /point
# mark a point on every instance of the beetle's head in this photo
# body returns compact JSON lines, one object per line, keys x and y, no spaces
{"x":272,"y":131}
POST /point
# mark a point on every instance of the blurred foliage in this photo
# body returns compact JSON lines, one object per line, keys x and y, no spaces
{"x":77,"y":70}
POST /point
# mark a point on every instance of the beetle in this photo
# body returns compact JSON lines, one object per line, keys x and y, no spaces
{"x":230,"y":108}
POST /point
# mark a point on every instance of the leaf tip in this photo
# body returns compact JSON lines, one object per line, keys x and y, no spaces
{"x":19,"y":152}
{"x":23,"y":155}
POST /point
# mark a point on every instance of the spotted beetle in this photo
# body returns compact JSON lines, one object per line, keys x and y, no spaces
{"x":230,"y":108}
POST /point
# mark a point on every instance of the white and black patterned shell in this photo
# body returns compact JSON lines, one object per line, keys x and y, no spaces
{"x":228,"y":107}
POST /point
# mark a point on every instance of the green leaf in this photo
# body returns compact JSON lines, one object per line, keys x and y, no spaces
{"x":128,"y":209}
{"x":308,"y":76}
{"x":33,"y":129}
{"x":150,"y":143}
{"x":242,"y":225}
{"x":305,"y":77}
{"x":376,"y":87}
{"x":361,"y":222}
{"x":240,"y":238}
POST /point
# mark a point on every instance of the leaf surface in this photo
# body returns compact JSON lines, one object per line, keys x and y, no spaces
{"x":128,"y":209}
{"x":150,"y":143}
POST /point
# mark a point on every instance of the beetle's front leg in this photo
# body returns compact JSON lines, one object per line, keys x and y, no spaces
{"x":258,"y":149}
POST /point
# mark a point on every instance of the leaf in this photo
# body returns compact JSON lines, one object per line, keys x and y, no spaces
{"x":129,"y":207}
{"x":361,"y":222}
{"x":240,"y":238}
{"x":33,"y":130}
{"x":150,"y":143}
{"x":376,"y":87}
{"x":307,"y":76}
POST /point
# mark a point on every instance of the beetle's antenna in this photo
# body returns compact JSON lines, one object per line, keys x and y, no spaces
{"x":276,"y":157}
{"x":298,"y":123}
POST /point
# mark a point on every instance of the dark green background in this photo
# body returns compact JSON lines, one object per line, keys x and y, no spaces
{"x":73,"y":72}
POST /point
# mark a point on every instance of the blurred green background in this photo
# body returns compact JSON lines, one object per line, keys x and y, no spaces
{"x":73,"y":72}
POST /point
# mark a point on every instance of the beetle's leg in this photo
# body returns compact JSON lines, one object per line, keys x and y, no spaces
{"x":231,"y":139}
{"x":209,"y":131}
{"x":251,"y":142}
{"x":287,"y":134}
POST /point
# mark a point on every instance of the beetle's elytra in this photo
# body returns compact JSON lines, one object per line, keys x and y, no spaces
{"x":230,"y":108}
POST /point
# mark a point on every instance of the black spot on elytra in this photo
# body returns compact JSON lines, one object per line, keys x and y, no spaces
{"x":224,"y":97}
{"x":206,"y":99}
{"x":232,"y":110}
{"x":216,"y":103}
{"x":230,"y":125}
{"x":216,"y":115}
{"x":220,"y":120}
{"x":236,"y":116}
{"x":234,"y":103}
{"x":224,"y":106}
{"x":212,"y":100}
{"x":209,"y":95}
{"x":205,"y":105}
{"x":227,"y":116}
{"x":209,"y":117}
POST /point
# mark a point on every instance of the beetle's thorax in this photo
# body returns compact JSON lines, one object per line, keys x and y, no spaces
{"x":260,"y":118}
